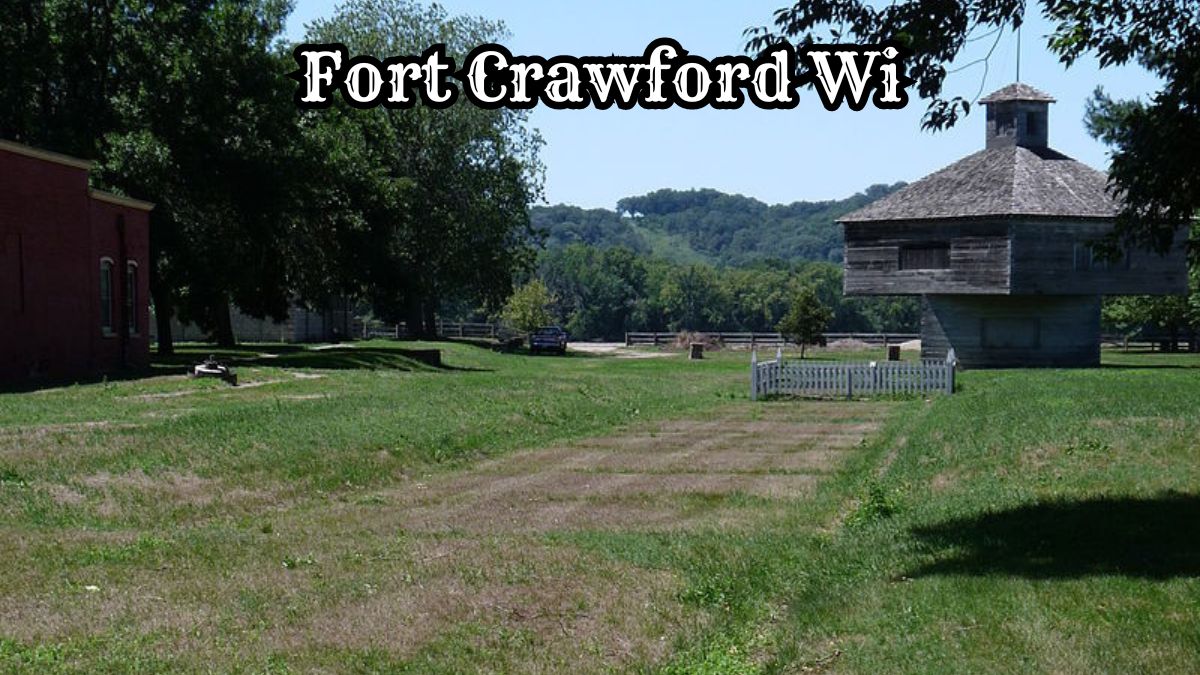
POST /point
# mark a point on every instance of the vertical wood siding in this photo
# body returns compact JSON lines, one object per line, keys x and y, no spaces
{"x":1067,"y":330}
{"x":1044,"y":262}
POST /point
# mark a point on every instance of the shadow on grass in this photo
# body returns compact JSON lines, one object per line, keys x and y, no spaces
{"x":1156,"y":538}
{"x":268,"y":356}
{"x":346,"y":357}
{"x":43,"y":384}
{"x":1150,"y":366}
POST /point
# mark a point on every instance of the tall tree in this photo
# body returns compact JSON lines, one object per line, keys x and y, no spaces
{"x":460,"y":180}
{"x":57,"y":75}
{"x":183,"y":104}
{"x":597,"y":290}
{"x":210,"y":138}
{"x":694,"y":299}
{"x":1156,"y":143}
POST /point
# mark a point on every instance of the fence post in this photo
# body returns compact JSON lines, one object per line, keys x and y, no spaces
{"x":951,"y":362}
{"x":753,"y":374}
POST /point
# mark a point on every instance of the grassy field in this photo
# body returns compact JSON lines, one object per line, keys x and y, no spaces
{"x":356,"y":510}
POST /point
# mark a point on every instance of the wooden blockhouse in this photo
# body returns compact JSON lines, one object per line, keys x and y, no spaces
{"x":998,"y":245}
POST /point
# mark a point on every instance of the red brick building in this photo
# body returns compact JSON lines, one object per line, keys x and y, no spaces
{"x":74,"y":266}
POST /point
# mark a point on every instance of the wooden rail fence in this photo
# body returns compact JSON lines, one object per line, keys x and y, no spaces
{"x":801,"y":378}
{"x":1184,"y":341}
{"x":396,"y":331}
{"x":767,"y":339}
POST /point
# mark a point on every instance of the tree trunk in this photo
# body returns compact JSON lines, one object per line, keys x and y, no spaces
{"x":429,"y":307}
{"x":413,"y":318}
{"x":163,"y":310}
{"x":224,"y":326}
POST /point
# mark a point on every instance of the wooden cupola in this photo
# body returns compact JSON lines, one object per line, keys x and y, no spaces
{"x":1017,"y":115}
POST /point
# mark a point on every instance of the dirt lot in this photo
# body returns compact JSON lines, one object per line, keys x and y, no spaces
{"x":618,"y":349}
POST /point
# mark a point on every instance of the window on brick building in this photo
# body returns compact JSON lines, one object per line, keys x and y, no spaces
{"x":106,"y":296}
{"x":131,"y":305}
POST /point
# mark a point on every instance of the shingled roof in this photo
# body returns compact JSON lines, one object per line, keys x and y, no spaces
{"x":1017,"y":91}
{"x":1001,"y":182}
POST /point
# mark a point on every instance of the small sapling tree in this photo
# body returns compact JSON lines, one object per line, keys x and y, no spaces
{"x":529,"y":307}
{"x":806,"y":320}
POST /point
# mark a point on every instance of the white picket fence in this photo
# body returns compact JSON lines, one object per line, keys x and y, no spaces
{"x":807,"y":378}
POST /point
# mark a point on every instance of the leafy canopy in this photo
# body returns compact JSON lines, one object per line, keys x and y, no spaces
{"x":691,"y":226}
{"x":442,"y":196}
{"x":528,"y":308}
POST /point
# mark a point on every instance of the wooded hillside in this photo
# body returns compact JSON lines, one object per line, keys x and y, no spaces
{"x":690,"y":226}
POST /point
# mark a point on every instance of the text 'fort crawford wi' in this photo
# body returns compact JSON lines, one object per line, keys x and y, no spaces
{"x":664,"y":75}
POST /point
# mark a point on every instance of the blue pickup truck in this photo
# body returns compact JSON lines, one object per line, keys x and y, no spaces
{"x":548,"y":339}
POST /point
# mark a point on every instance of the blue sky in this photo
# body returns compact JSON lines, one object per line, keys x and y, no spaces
{"x":595,"y":157}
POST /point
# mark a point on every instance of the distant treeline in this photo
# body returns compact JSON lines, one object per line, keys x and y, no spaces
{"x":706,"y":260}
{"x":605,"y":292}
{"x":702,"y":260}
{"x":707,"y":226}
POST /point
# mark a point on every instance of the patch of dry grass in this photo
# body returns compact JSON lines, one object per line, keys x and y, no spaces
{"x":395,"y":571}
{"x":147,"y":531}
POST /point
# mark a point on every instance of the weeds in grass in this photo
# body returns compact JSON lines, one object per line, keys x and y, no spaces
{"x":298,"y":561}
{"x":15,"y":656}
{"x":720,"y":656}
{"x":878,"y":503}
{"x":1086,"y":445}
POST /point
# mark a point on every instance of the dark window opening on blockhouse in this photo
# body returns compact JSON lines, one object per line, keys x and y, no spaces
{"x":1005,"y":122}
{"x":1035,"y":124}
{"x":1087,"y":259}
{"x":925,"y":257}
{"x":1011,"y":333}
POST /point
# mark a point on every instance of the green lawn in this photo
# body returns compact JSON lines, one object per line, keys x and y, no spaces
{"x":330,"y":419}
{"x":1035,"y":521}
